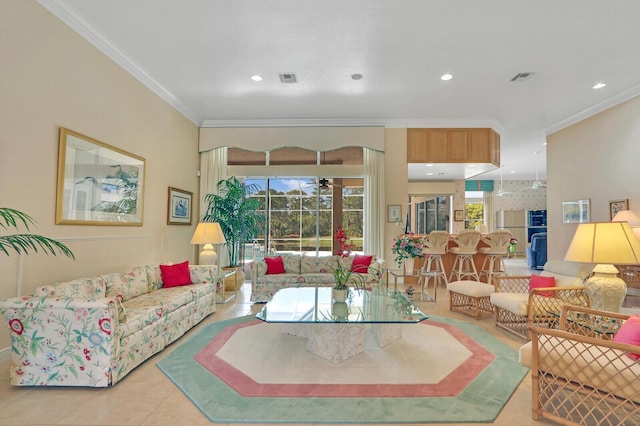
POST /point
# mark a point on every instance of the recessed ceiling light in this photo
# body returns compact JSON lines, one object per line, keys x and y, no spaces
{"x":512,"y":171}
{"x":446,"y":77}
{"x":256,"y":77}
{"x":356,"y":76}
{"x":599,"y":85}
{"x":429,"y":174}
{"x":429,"y":165}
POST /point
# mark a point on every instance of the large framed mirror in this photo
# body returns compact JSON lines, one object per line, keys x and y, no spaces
{"x":98,"y":184}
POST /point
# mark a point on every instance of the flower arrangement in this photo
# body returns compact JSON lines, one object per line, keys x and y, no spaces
{"x":406,"y":247}
{"x":513,"y":241}
{"x":340,"y":274}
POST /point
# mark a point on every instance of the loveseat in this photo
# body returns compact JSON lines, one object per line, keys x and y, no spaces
{"x":580,"y":376}
{"x":519,"y":305}
{"x":308,"y":271}
{"x":93,"y":331}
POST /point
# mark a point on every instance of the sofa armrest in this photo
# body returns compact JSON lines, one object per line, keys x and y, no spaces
{"x":591,"y":322}
{"x":546,"y":309}
{"x":61,"y":340}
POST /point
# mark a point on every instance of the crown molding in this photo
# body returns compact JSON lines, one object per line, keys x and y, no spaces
{"x":76,"y":23}
{"x":597,"y":108}
{"x":390,"y":123}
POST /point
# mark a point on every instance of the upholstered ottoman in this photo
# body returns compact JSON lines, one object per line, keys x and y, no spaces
{"x":470,"y":298}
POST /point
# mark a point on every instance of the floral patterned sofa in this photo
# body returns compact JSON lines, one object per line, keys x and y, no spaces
{"x":306,"y":271}
{"x":94,"y":331}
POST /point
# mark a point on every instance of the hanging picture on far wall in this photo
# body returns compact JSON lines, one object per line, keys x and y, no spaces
{"x":577,"y":211}
{"x":617,"y":206}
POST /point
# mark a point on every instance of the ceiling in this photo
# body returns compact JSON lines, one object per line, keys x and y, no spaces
{"x":199,"y":56}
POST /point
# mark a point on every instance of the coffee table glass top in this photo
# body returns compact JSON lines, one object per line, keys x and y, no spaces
{"x":316,"y":305}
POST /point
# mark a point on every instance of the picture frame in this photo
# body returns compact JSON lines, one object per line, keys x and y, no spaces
{"x":578,"y":211}
{"x":458,"y":215}
{"x":98,"y":184}
{"x":179,"y":207}
{"x":394,"y":213}
{"x":616,"y":206}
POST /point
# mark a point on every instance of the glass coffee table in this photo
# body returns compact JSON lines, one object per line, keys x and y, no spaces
{"x":336,"y":331}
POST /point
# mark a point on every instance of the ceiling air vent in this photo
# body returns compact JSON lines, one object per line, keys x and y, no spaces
{"x":523,"y":76}
{"x":288,"y":78}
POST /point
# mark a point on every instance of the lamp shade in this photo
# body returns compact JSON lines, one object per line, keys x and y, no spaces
{"x":208,"y":233}
{"x":604,"y":242}
{"x":626,"y":216}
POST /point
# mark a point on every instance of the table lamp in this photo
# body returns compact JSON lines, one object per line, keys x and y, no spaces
{"x":208,"y":233}
{"x":605,"y":243}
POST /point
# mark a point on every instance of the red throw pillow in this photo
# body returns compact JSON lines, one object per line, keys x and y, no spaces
{"x":175,"y":275}
{"x":275,"y":265}
{"x":361,"y":264}
{"x":629,"y":333}
{"x":536,"y":281}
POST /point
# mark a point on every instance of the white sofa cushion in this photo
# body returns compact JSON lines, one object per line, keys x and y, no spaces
{"x":516,"y":303}
{"x":83,"y":288}
{"x":127,"y":285}
{"x":567,"y":274}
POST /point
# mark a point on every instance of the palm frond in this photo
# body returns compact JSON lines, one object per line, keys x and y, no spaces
{"x":11,"y":218}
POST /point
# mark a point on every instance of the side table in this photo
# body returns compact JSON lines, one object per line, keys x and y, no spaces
{"x":221,"y":293}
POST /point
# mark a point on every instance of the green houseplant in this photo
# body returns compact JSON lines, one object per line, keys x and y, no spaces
{"x":26,"y":243}
{"x":236,"y":213}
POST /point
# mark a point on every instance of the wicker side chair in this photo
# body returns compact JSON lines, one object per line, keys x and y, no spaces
{"x":579,"y":376}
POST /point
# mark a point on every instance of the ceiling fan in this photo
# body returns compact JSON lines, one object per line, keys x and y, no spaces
{"x":537,"y":184}
{"x":501,"y":192}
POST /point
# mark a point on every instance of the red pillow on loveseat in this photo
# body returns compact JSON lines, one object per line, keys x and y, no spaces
{"x":361,"y":264}
{"x":536,"y":281}
{"x":175,"y":275}
{"x":629,"y":333}
{"x":275,"y":265}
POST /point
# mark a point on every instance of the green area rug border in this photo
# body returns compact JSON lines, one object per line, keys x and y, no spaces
{"x":480,"y":402}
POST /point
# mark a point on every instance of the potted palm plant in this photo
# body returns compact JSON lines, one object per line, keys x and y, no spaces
{"x":237,"y":215}
{"x":25,"y":243}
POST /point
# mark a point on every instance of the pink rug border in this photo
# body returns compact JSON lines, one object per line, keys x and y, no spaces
{"x":450,"y":386}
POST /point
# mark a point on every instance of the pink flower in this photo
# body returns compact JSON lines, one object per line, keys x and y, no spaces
{"x":16,"y":326}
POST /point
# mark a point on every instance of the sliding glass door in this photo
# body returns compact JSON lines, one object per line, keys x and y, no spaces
{"x":302,"y":215}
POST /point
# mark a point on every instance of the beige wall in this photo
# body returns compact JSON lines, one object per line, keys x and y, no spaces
{"x":595,"y":159}
{"x":50,"y":77}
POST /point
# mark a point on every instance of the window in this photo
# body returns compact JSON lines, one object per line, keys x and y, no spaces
{"x":474,"y":209}
{"x":302,"y":216}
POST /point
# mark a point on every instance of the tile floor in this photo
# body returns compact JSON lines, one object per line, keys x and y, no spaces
{"x":147,"y":397}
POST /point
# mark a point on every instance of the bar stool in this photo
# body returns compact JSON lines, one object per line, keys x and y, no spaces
{"x":435,"y":246}
{"x":463,"y":265}
{"x":497,"y":247}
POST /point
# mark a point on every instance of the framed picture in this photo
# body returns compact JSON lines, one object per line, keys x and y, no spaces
{"x":394,"y":212}
{"x":617,"y":206}
{"x":458,"y":215}
{"x":98,"y":184}
{"x":179,"y":207}
{"x":576,"y":211}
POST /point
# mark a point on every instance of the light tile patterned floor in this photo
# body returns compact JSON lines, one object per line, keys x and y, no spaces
{"x":147,"y":397}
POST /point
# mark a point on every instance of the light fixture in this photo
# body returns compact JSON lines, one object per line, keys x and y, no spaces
{"x":446,"y":77}
{"x":605,"y":244}
{"x":256,"y":77}
{"x":599,"y":85}
{"x":208,"y":234}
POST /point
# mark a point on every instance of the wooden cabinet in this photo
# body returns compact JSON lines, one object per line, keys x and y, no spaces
{"x":477,"y":145}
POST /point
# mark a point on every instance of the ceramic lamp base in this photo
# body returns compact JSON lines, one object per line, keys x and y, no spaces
{"x":606,"y":291}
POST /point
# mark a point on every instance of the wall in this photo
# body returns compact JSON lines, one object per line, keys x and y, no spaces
{"x":594,"y":159}
{"x":50,"y":77}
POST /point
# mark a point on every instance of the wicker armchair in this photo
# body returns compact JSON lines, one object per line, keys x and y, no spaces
{"x":581,"y":377}
{"x":517,"y":308}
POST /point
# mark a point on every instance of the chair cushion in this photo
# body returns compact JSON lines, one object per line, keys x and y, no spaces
{"x":471,"y":288}
{"x":537,"y":281}
{"x":515,"y":303}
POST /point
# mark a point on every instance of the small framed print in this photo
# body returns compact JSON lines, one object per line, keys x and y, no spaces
{"x":458,"y":215}
{"x":617,"y":206}
{"x":393,"y":213}
{"x":179,"y":210}
{"x":578,"y":211}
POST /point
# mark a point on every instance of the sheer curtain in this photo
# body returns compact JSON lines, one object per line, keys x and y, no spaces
{"x":373,"y":202}
{"x":213,"y":168}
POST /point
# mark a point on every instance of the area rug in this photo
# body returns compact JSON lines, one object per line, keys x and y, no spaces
{"x":442,"y":370}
